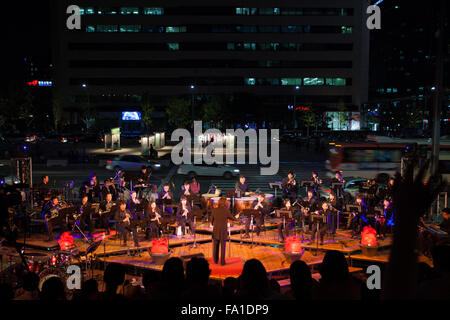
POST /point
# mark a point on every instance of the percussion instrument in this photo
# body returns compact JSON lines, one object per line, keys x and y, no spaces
{"x":215,"y":202}
{"x":269,"y":200}
{"x":244,"y":203}
{"x":206,"y":200}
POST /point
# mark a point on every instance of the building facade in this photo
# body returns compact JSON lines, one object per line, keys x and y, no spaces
{"x":310,"y":53}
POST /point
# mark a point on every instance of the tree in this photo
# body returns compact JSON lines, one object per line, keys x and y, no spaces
{"x":178,"y":112}
{"x":306,"y":119}
{"x":147,"y":111}
{"x":57,"y":110}
{"x":213,"y":109}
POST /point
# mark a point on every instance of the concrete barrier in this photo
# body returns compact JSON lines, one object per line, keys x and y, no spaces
{"x":57,"y":163}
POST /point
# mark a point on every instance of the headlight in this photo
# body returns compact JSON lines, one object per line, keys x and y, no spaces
{"x":236,"y":170}
{"x":157,"y":165}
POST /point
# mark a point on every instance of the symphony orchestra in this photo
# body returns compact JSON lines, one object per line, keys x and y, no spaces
{"x":134,"y":206}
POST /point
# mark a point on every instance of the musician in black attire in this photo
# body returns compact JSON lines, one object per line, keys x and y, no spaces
{"x":143,"y":179}
{"x":389,"y":191}
{"x":372,"y":193}
{"x":384,"y":222}
{"x":287,"y":221}
{"x":85,"y":215}
{"x":242,"y":187}
{"x":183,"y":217}
{"x":144,"y":176}
{"x":338,"y":191}
{"x":311,"y":200}
{"x":108,"y":188}
{"x":165,"y":193}
{"x":359,"y":219}
{"x":323,"y":223}
{"x":336,"y":206}
{"x":124,"y":224}
{"x":90,"y":188}
{"x":154,"y":220}
{"x":316,"y":182}
{"x":106,"y":207}
{"x":53,"y":218}
{"x":219,"y":220}
{"x":44,"y":188}
{"x":445,"y":224}
{"x":290,"y":187}
{"x":261,"y":206}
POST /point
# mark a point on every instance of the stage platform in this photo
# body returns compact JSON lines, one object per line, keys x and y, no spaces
{"x":382,"y":258}
{"x":342,"y":241}
{"x":272,"y":258}
{"x":206,"y":228}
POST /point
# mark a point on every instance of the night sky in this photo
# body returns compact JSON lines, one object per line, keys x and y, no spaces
{"x":25,"y":32}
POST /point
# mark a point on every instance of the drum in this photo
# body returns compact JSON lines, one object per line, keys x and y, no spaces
{"x":206,"y":200}
{"x":215,"y":202}
{"x":269,"y":200}
{"x":244,"y":203}
{"x":52,"y":272}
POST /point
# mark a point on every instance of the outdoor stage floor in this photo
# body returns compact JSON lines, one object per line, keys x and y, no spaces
{"x":272,"y":258}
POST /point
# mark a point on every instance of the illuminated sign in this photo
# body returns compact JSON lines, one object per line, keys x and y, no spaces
{"x":300,"y":108}
{"x":131,"y":116}
{"x":36,"y":83}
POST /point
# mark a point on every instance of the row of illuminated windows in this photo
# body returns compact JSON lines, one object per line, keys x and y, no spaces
{"x":213,"y":46}
{"x":295,"y":11}
{"x":298,"y":81}
{"x":227,"y":11}
{"x":213,"y":81}
{"x":220,"y":29}
{"x":134,"y":28}
{"x":155,"y":11}
{"x":205,"y":63}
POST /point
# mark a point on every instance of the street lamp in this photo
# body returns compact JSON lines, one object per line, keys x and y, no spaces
{"x":192,"y":101}
{"x":295,"y":103}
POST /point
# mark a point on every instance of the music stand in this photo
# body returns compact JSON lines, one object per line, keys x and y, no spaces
{"x":276,"y":186}
{"x":284,"y":214}
{"x":251,"y":213}
{"x":307,"y":184}
{"x":90,"y":250}
{"x":195,"y":214}
{"x":316,"y":219}
{"x":163,"y":203}
{"x":352,"y":208}
{"x":338,"y":186}
{"x":232,"y":195}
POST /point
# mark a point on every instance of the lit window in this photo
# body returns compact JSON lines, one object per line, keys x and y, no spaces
{"x":173,"y":46}
{"x":90,"y":28}
{"x":129,"y":10}
{"x":230,"y":46}
{"x":250,"y":81}
{"x":313,"y":81}
{"x":107,"y":28}
{"x":176,"y":29}
{"x":154,"y":11}
{"x":346,"y":30}
{"x":291,"y":81}
{"x":335,"y":81}
{"x":130,"y":28}
{"x":89,"y":11}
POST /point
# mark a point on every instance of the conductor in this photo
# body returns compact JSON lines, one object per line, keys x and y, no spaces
{"x":219,"y":220}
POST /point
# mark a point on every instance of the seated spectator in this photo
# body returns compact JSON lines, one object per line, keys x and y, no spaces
{"x":302,"y":282}
{"x":88,"y":292}
{"x":150,"y":281}
{"x":255,"y":284}
{"x":172,"y":280}
{"x":30,"y":287}
{"x":230,"y":288}
{"x":53,"y":290}
{"x":438,"y":287}
{"x":336,"y":282}
{"x":113,"y":277}
{"x":6,"y":292}
{"x":197,"y":278}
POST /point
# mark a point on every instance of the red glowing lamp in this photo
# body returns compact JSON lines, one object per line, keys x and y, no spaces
{"x":369,"y":237}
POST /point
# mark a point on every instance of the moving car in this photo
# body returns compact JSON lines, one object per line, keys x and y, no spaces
{"x":131,"y":163}
{"x":213,"y":170}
